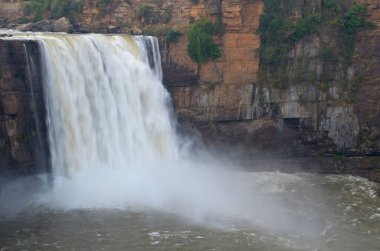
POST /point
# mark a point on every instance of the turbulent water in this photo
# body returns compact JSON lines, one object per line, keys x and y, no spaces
{"x":123,"y":179}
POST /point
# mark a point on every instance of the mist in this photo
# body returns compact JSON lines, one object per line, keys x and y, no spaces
{"x":114,"y":146}
{"x":203,"y":192}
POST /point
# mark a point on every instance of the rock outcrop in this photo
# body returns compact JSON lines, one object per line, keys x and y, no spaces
{"x":10,"y":10}
{"x":62,"y":25}
{"x":227,"y":99}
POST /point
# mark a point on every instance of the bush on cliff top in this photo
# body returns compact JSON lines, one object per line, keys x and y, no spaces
{"x":53,"y":8}
{"x":201,"y":47}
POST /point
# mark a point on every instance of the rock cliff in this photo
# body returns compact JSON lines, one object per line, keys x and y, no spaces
{"x":23,"y":137}
{"x":316,"y":105}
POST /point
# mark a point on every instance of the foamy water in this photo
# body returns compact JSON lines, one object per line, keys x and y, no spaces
{"x":114,"y":146}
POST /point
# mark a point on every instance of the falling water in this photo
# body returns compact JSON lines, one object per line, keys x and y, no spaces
{"x":106,"y":106}
{"x":38,"y":108}
{"x":113,"y":146}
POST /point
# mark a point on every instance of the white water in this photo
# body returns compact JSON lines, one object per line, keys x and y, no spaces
{"x":106,"y":107}
{"x":113,"y":143}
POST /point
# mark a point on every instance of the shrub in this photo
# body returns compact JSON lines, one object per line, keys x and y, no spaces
{"x":171,"y":36}
{"x":354,"y":19}
{"x":325,"y":54}
{"x":269,"y":55}
{"x":330,"y":9}
{"x":201,"y":47}
{"x":38,"y":8}
{"x":306,"y":26}
{"x":144,"y":11}
{"x":53,"y":8}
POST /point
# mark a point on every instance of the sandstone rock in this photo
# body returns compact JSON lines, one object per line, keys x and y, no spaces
{"x":43,"y":25}
{"x":112,"y":29}
{"x":213,"y":7}
{"x":25,"y":27}
{"x":136,"y":31}
{"x":62,"y":25}
{"x":126,"y":30}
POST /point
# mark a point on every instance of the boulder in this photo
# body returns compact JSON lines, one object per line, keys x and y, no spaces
{"x":43,"y":25}
{"x":62,"y":25}
{"x":136,"y":31}
{"x":25,"y":27}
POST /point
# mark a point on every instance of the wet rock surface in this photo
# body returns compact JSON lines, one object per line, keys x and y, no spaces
{"x":19,"y":145}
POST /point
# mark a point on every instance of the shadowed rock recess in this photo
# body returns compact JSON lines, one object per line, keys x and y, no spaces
{"x":23,"y":146}
{"x":313,"y":102}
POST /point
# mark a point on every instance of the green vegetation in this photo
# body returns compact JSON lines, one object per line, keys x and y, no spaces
{"x":325,"y":54}
{"x":20,"y":75}
{"x":340,"y":156}
{"x":354,"y":19}
{"x":147,"y":14}
{"x":53,"y":8}
{"x":144,"y":11}
{"x":201,"y":47}
{"x":351,"y":22}
{"x":352,"y":87}
{"x":104,"y":2}
{"x":170,"y":35}
{"x":280,"y":31}
{"x":306,"y":26}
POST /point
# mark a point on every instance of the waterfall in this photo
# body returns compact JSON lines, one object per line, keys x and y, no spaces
{"x":38,"y":109}
{"x":106,"y":105}
{"x":113,"y":144}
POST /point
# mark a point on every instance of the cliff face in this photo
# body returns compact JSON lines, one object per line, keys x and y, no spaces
{"x":228,"y":103}
{"x":23,"y":147}
{"x":317,"y":106}
{"x":325,"y":107}
{"x":10,"y":10}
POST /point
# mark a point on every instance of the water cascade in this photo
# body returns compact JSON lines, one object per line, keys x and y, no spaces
{"x":113,"y":146}
{"x":112,"y":140}
{"x":105,"y":102}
